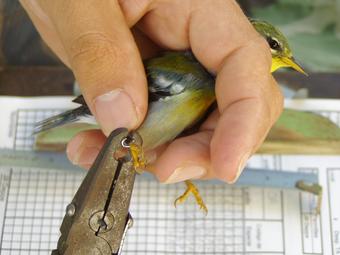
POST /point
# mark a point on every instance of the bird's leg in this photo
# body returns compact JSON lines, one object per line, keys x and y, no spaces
{"x":191,"y":188}
{"x":138,"y":159}
{"x":139,"y":163}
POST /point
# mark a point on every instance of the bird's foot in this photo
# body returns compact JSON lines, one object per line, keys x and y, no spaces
{"x":191,"y":188}
{"x":138,"y":158}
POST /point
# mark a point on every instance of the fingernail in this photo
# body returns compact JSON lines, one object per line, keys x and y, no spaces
{"x":86,"y":167}
{"x":186,"y":173}
{"x":241,"y":166}
{"x":86,"y":156}
{"x":73,"y":147}
{"x":114,"y":110}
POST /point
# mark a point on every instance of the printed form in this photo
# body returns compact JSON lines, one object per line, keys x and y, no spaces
{"x":240,"y":221}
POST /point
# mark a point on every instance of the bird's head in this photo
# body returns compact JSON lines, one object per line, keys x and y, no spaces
{"x":282,"y":55}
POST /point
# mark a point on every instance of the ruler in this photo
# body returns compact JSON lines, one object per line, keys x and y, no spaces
{"x":250,"y":177}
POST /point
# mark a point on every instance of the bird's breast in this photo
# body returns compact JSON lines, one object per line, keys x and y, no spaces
{"x":170,"y":116}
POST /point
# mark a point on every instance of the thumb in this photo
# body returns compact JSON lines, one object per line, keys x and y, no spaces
{"x":105,"y":60}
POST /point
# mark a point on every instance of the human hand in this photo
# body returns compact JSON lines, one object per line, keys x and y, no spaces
{"x":95,"y":40}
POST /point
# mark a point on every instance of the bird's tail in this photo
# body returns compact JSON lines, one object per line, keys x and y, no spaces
{"x":61,"y":119}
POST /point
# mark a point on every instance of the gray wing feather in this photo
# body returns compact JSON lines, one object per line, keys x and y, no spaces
{"x":67,"y":117}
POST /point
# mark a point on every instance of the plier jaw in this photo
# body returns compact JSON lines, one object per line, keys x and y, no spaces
{"x":97,"y":219}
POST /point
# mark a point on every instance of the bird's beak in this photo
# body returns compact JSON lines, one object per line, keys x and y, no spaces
{"x":290,"y":62}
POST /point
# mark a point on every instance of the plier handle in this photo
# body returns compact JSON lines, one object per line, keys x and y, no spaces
{"x":98,"y":217}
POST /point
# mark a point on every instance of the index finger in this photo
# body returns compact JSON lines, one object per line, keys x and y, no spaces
{"x":248,"y":98}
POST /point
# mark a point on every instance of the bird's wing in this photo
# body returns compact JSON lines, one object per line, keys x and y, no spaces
{"x":80,"y":114}
{"x":172,"y":73}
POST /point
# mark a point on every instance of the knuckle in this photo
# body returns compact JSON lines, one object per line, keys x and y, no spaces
{"x":96,"y":59}
{"x":93,"y":48}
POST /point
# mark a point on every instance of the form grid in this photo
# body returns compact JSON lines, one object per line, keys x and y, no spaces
{"x":24,"y":138}
{"x":37,"y":201}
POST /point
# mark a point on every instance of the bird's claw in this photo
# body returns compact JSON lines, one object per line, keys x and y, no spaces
{"x":138,"y":158}
{"x":139,"y":164}
{"x":191,"y":188}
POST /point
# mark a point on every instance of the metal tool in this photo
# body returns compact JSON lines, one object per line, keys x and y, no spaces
{"x":97,"y":219}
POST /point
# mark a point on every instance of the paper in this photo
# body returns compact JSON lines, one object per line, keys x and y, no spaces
{"x":240,"y":220}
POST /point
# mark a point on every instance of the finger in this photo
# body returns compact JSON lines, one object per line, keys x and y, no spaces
{"x":245,"y":120}
{"x":83,"y":149}
{"x":166,"y":23}
{"x":185,"y":158}
{"x":190,"y":157}
{"x":104,"y":59}
{"x":247,"y":96}
{"x":132,"y":10}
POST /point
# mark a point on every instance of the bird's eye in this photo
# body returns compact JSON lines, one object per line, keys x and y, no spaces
{"x":273,"y":44}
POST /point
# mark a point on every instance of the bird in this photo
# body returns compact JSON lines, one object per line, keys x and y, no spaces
{"x":282,"y":55}
{"x":181,"y":91}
